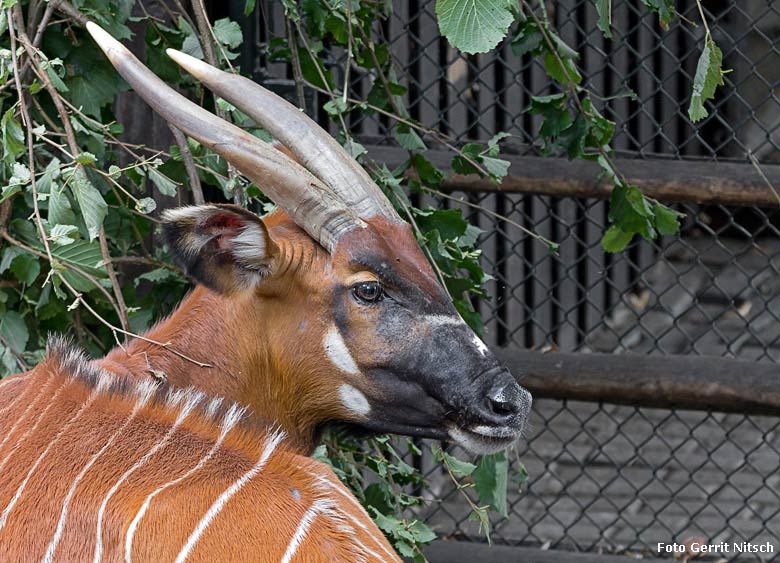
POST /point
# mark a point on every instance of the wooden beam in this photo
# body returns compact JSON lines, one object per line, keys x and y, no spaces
{"x":452,"y":551}
{"x":687,"y":382}
{"x":688,"y":181}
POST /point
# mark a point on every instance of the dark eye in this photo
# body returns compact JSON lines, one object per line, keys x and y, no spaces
{"x":368,"y":292}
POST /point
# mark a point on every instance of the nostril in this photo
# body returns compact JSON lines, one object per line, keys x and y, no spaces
{"x":504,"y":401}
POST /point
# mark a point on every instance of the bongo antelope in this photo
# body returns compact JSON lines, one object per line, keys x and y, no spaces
{"x":323,"y":311}
{"x":102,"y":467}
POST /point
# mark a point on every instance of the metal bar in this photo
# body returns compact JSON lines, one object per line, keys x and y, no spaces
{"x":725,"y":183}
{"x":683,"y":382}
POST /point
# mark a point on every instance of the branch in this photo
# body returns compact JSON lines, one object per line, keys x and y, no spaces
{"x":189,"y":165}
{"x":206,"y":34}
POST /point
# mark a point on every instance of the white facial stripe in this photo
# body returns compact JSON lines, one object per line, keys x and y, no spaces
{"x":479,"y":344}
{"x":444,"y":320}
{"x":338,"y":352}
{"x":354,"y":400}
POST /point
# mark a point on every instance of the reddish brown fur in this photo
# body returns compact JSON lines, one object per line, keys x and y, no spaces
{"x":255,"y":525}
{"x":278,"y":369}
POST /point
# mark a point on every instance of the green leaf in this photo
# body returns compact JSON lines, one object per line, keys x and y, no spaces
{"x":92,"y":81}
{"x":490,"y":481}
{"x":249,"y":7}
{"x":60,"y":211}
{"x":9,"y":253}
{"x":631,"y":212}
{"x":667,"y":220}
{"x":527,"y":39}
{"x":14,"y":331}
{"x":163,"y":183}
{"x":449,"y":223}
{"x":605,"y":17}
{"x":91,"y":204}
{"x":157,"y":275}
{"x":459,"y":468}
{"x":355,"y":149}
{"x":561,"y":69}
{"x":496,"y":167}
{"x":408,"y":138}
{"x":25,"y":268}
{"x":13,"y":137}
{"x":664,"y":9}
{"x":228,"y":32}
{"x":474,"y":26}
{"x":615,"y":239}
{"x":428,"y":174}
{"x":335,"y":107}
{"x":86,"y":158}
{"x":145,"y":205}
{"x":709,"y":75}
{"x":61,"y":234}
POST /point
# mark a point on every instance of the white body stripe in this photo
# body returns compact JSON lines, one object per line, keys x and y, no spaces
{"x":219,"y":504}
{"x":358,"y":523}
{"x":34,"y":427}
{"x":303,"y":527}
{"x":9,"y":380}
{"x":67,"y":425}
{"x":186,"y":409}
{"x":48,"y":558}
{"x":23,"y":415}
{"x":231,"y":419}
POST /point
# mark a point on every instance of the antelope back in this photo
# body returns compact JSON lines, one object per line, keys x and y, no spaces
{"x":98,"y":467}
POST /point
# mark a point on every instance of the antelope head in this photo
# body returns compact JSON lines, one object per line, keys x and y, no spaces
{"x":334,"y":311}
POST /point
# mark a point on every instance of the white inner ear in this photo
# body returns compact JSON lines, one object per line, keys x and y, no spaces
{"x":249,"y":246}
{"x":337,"y":351}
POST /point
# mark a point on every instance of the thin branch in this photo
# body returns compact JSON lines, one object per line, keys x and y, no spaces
{"x":206,"y":34}
{"x":292,"y":42}
{"x":754,"y":162}
{"x":120,"y":299}
{"x":189,"y":165}
{"x":703,"y":19}
{"x":498,"y":216}
{"x":26,"y":122}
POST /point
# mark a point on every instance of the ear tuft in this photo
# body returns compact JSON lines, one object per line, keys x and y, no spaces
{"x":224,"y":247}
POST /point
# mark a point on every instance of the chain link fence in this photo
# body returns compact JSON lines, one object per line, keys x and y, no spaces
{"x":602,"y":477}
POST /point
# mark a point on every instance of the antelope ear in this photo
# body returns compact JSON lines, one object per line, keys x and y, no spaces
{"x":224,"y":247}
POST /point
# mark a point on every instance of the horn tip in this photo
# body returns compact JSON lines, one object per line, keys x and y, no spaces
{"x":103,"y":38}
{"x":187,"y":62}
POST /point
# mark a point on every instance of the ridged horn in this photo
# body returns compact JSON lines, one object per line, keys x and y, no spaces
{"x":311,"y":203}
{"x":312,"y":146}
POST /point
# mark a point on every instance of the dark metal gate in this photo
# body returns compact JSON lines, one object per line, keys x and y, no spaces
{"x":656,"y":369}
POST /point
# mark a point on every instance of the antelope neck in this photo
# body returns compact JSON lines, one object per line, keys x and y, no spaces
{"x":206,"y":328}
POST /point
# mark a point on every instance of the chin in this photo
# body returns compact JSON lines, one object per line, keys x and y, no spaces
{"x":476,"y":442}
